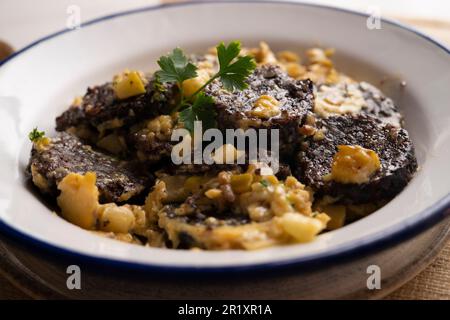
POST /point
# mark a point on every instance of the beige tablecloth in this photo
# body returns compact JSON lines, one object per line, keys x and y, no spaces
{"x":432,"y":283}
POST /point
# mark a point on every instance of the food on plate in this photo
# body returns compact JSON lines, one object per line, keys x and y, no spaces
{"x":351,"y":98}
{"x":117,"y":180}
{"x":343,"y":151}
{"x":235,"y":210}
{"x":273,"y":100}
{"x":103,"y":116}
{"x":357,"y":159}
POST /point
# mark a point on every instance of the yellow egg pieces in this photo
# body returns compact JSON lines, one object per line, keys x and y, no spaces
{"x":353,"y":164}
{"x":128,"y":84}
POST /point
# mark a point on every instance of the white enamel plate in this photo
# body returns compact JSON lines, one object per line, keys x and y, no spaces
{"x":39,"y":82}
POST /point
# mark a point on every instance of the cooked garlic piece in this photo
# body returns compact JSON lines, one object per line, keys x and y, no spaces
{"x":115,"y":219}
{"x":39,"y":180}
{"x":79,"y":199}
{"x":338,"y":99}
{"x":42,"y":143}
{"x":288,"y":56}
{"x":227,"y":153}
{"x":300,"y":227}
{"x":160,"y":127}
{"x":241,"y":183}
{"x":354,"y":164}
{"x":263,"y":54}
{"x":265,"y":107}
{"x":320,"y":56}
{"x":190,"y":86}
{"x":79,"y":205}
{"x":213,"y":193}
{"x":294,"y":69}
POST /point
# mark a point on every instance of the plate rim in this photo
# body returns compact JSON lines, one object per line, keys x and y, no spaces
{"x":351,"y":251}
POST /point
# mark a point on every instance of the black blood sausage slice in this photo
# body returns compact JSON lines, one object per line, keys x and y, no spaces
{"x":391,"y":143}
{"x":101,"y":109}
{"x":116,"y":180}
{"x":295,"y":98}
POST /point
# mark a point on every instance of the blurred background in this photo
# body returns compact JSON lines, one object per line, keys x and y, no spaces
{"x":23,"y":21}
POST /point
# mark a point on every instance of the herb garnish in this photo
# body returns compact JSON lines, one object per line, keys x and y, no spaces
{"x":175,"y":67}
{"x":35,"y":135}
{"x":264,"y":183}
{"x":199,"y":111}
{"x":233,"y":70}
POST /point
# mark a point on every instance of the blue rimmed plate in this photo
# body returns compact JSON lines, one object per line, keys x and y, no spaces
{"x":38,"y":82}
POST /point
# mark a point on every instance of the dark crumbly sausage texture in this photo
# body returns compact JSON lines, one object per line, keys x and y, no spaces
{"x":100,"y":105}
{"x":150,"y":150}
{"x":185,"y":229}
{"x":379,"y":105}
{"x":116,"y":180}
{"x":295,"y":97}
{"x":198,"y":169}
{"x":284,"y":169}
{"x":376,"y":103}
{"x":391,"y":143}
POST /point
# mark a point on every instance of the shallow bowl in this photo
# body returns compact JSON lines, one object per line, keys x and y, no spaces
{"x":38,"y":83}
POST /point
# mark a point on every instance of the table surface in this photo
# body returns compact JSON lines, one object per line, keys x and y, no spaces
{"x":432,"y":283}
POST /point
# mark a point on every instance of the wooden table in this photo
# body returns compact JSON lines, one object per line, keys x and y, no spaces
{"x":432,"y":283}
{"x":41,"y":274}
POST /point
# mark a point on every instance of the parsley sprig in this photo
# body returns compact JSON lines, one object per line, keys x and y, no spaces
{"x":233,"y":70}
{"x":176,"y":68}
{"x":35,"y":135}
{"x":200,"y":110}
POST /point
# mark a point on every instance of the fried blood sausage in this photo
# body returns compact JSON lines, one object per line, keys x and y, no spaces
{"x":186,"y":232}
{"x":272,"y":100}
{"x":362,"y":97}
{"x":391,"y":143}
{"x":116,"y":180}
{"x":380,"y":106}
{"x":101,"y":109}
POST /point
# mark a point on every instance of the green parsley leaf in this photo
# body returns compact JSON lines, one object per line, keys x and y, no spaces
{"x":233,"y":72}
{"x":175,"y":67}
{"x":227,"y":54}
{"x":233,"y":75}
{"x":35,"y":135}
{"x":201,"y":110}
{"x":187,"y":116}
{"x":264,"y":183}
